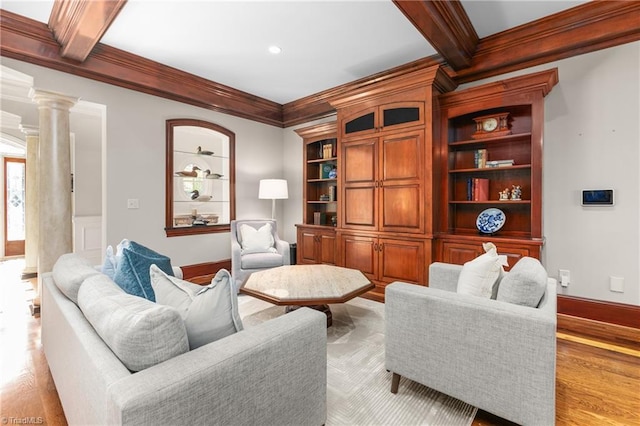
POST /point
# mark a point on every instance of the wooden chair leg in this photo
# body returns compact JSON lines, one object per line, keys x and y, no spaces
{"x":395,"y":382}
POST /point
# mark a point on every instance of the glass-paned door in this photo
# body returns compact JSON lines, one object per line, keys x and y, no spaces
{"x":14,"y":206}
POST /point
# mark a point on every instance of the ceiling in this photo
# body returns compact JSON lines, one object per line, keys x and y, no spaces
{"x":324,"y":43}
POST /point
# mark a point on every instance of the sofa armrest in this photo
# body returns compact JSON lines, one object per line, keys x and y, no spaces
{"x":491,"y":354}
{"x":273,"y":373}
{"x":444,"y":276}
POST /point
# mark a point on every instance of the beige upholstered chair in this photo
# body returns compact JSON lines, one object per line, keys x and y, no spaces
{"x":245,"y":261}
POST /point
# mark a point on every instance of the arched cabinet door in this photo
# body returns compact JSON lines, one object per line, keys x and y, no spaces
{"x":200,"y":178}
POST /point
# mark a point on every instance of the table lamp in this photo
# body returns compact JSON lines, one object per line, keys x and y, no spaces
{"x":274,"y":189}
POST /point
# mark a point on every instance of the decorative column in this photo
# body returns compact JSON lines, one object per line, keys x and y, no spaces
{"x":31,"y":203}
{"x":54,"y":178}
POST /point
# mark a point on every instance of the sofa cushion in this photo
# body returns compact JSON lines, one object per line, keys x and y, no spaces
{"x":139,"y":332}
{"x":69,"y":271}
{"x":479,"y":277}
{"x":257,"y":240}
{"x":132,"y":273}
{"x":525,"y":283}
{"x":209,"y":312}
{"x":112,"y":258}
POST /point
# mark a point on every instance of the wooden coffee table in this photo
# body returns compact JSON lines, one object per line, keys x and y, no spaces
{"x":314,"y":286}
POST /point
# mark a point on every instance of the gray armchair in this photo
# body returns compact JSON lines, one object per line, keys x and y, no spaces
{"x":497,"y":356}
{"x":244,"y":263}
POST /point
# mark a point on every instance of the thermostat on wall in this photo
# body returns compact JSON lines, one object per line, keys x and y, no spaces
{"x":597,"y":197}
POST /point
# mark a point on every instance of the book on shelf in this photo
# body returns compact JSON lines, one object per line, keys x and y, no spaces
{"x":477,"y":189}
{"x":480,"y":158}
{"x":500,"y":163}
{"x":319,"y":218}
{"x":328,"y":150}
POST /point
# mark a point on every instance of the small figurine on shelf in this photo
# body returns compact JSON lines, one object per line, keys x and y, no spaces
{"x":203,"y":152}
{"x":333,"y":173}
{"x":516,"y":192}
{"x":504,"y":195}
{"x":185,"y":173}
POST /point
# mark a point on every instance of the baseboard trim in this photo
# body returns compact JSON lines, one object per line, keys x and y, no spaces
{"x":609,"y":312}
{"x":202,"y":273}
{"x":627,"y":337}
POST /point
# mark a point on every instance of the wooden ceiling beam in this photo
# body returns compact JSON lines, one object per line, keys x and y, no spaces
{"x":78,"y":25}
{"x":446,"y":27}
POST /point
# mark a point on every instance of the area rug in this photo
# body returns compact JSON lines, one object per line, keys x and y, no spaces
{"x":358,"y":386}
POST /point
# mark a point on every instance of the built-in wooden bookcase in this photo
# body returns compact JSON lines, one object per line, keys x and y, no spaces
{"x":320,"y":174}
{"x":462,"y":151}
{"x":316,"y":233}
{"x":465,"y":158}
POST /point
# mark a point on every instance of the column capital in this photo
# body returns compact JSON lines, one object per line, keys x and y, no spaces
{"x":52,"y":99}
{"x":30,"y":130}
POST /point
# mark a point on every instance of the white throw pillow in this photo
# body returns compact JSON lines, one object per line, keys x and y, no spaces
{"x":479,"y":277}
{"x":209,"y":312}
{"x":257,"y":240}
{"x":112,"y":259}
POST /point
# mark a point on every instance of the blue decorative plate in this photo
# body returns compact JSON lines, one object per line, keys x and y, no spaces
{"x":490,"y":220}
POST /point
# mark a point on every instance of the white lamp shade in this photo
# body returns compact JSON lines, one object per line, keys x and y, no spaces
{"x":273,"y":189}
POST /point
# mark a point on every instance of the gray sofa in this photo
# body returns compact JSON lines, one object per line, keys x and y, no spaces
{"x":497,"y":356}
{"x":270,"y":374}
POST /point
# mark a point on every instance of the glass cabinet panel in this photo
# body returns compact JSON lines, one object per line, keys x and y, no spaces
{"x":200,"y":177}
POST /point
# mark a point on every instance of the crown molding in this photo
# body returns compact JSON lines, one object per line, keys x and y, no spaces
{"x":31,"y":41}
{"x":582,"y":29}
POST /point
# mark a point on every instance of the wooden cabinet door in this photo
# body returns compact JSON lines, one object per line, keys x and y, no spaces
{"x":396,"y":115}
{"x":358,"y":176}
{"x":307,"y":247}
{"x":327,"y":246}
{"x":358,"y":123}
{"x":459,"y":252}
{"x":401,"y":183}
{"x":360,"y":252}
{"x":402,"y":260}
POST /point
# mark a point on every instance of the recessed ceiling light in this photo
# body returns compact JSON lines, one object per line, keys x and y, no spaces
{"x":274,"y":49}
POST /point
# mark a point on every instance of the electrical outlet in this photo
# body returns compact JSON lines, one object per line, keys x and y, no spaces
{"x":564,"y":276}
{"x":132,"y":203}
{"x":616,"y":284}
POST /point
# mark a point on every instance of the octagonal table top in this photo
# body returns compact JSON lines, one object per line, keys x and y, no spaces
{"x":306,"y":284}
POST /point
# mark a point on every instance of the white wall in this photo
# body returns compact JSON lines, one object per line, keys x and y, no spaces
{"x":591,"y":141}
{"x":134,"y":163}
{"x":592,"y":138}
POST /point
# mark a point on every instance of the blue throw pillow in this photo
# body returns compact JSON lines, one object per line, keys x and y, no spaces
{"x":132,"y":273}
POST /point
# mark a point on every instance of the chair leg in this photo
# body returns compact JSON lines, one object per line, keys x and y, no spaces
{"x":395,"y":382}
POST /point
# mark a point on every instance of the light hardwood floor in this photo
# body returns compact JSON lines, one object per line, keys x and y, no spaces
{"x":596,"y":383}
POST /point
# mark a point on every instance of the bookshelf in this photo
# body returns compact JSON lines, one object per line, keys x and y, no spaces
{"x":316,"y":233}
{"x":480,"y":169}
